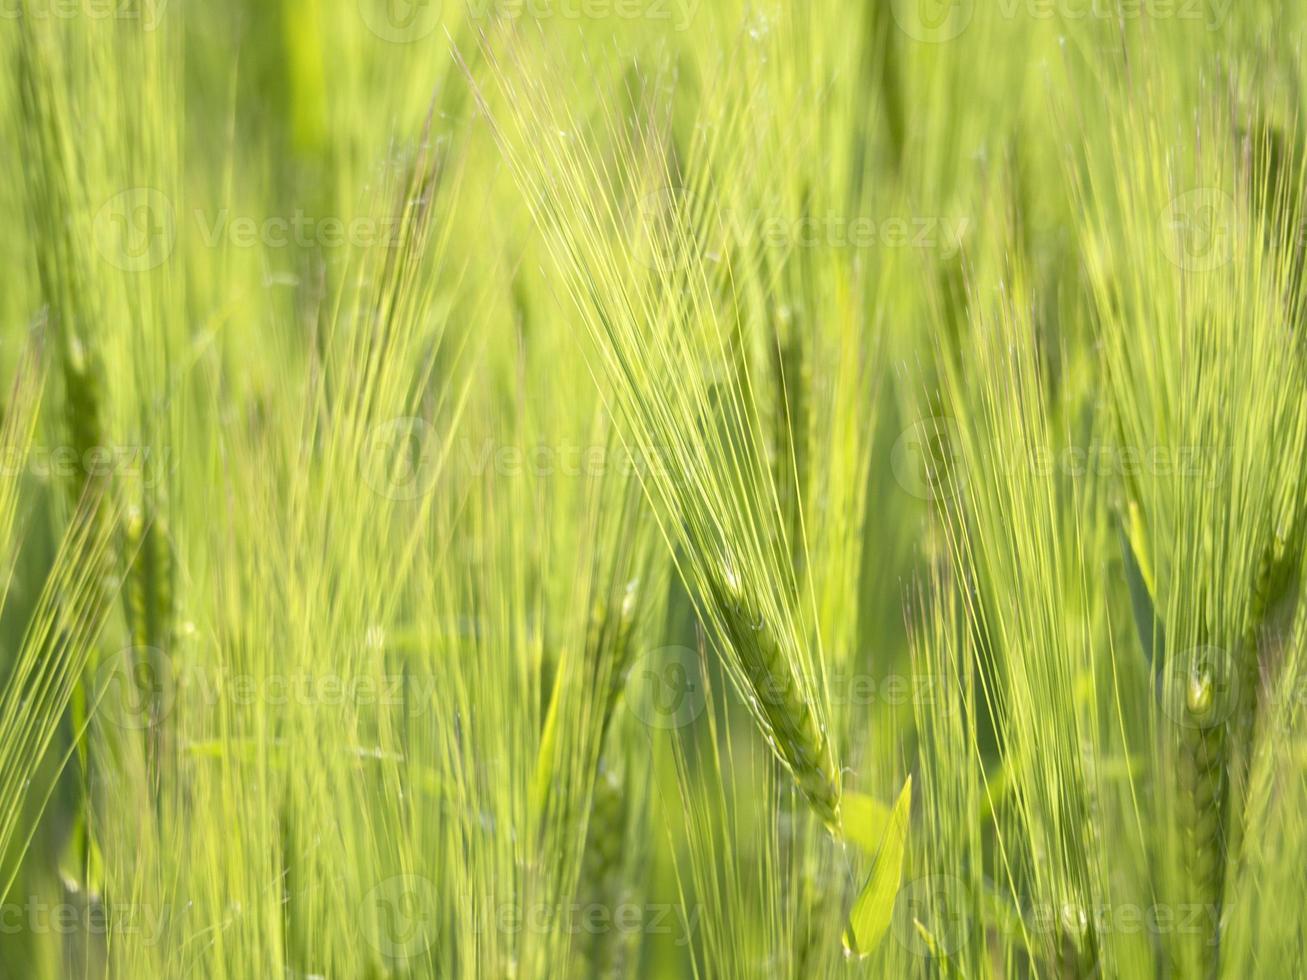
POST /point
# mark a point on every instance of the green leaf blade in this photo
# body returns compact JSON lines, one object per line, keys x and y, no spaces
{"x":873,"y":909}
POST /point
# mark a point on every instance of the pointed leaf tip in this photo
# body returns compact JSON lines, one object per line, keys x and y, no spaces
{"x":869,"y":919}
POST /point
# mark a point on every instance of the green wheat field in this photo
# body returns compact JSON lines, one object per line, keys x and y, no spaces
{"x":714,"y":489}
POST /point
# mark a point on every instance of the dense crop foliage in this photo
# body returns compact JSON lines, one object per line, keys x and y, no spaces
{"x":653,"y":488}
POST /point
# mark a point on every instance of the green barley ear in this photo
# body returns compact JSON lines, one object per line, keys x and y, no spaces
{"x":672,"y":361}
{"x":148,"y":599}
{"x":820,"y":901}
{"x":47,"y":673}
{"x":599,"y":864}
{"x":607,"y":662}
{"x":1201,"y":784}
{"x":620,"y":622}
{"x":1274,"y":602}
{"x":83,"y":410}
{"x":149,"y":586}
{"x":793,"y":728}
{"x":80,"y":864}
{"x":607,"y":867}
{"x":882,"y":72}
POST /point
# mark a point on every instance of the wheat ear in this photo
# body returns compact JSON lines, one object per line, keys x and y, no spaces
{"x":795,"y":732}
